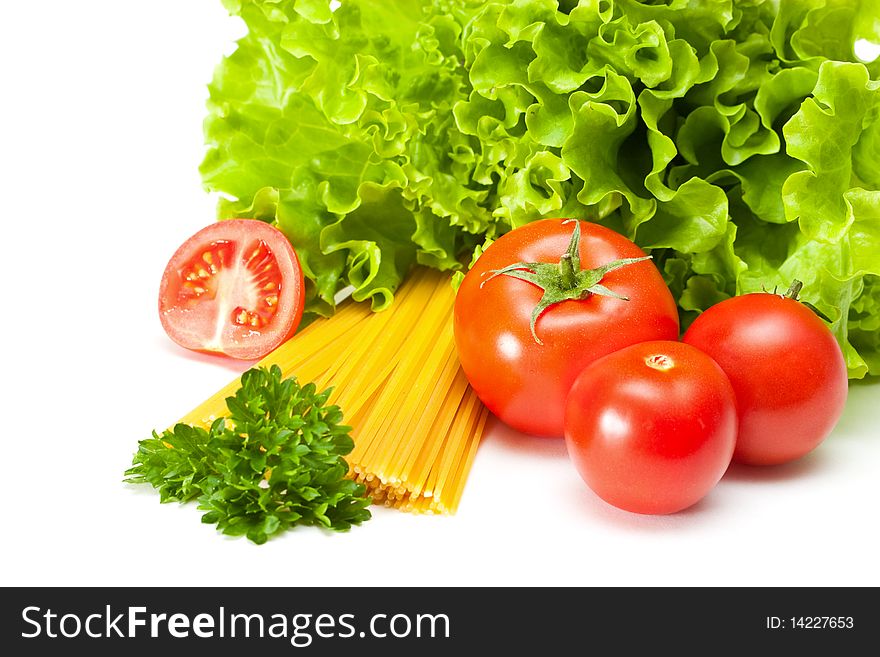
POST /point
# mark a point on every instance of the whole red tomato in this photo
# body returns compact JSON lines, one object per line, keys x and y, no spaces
{"x":786,"y":367}
{"x":544,"y":301}
{"x":651,"y":428}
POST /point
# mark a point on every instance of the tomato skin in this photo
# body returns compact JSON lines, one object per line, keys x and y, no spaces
{"x":651,"y":428}
{"x":786,"y":367}
{"x":235,"y":287}
{"x":525,"y":383}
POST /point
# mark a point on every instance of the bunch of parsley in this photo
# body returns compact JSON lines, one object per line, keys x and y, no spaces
{"x":274,"y":462}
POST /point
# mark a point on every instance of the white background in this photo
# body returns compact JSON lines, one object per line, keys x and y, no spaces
{"x":101,"y":105}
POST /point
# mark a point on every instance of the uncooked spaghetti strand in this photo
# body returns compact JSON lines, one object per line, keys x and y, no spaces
{"x":424,"y":473}
{"x":398,"y":388}
{"x":473,"y":439}
{"x":319,"y":355}
{"x":382,"y":358}
{"x":316,"y":337}
{"x":455,"y":442}
{"x":367,"y":336}
{"x":356,"y":410}
{"x":418,"y":426}
{"x":379,"y":340}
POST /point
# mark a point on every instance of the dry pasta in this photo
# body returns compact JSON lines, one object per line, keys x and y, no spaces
{"x":416,"y":423}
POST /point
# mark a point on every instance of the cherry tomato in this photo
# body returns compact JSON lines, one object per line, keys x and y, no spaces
{"x":651,"y":428}
{"x":786,"y":367}
{"x":235,"y":288}
{"x":521,"y":363}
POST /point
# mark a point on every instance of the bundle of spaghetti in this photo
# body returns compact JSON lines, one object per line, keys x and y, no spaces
{"x":416,"y":423}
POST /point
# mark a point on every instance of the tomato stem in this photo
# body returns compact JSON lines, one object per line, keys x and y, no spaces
{"x":794,"y":290}
{"x":566,"y":271}
{"x":563,"y":280}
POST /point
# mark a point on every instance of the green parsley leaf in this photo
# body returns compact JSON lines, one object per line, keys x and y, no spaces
{"x":274,"y":462}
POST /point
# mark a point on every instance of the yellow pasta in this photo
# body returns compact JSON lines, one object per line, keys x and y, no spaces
{"x":415,"y":421}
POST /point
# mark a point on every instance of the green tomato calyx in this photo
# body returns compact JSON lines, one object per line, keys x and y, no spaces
{"x":563,"y":280}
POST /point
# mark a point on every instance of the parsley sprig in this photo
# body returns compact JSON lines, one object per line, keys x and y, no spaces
{"x":274,"y":462}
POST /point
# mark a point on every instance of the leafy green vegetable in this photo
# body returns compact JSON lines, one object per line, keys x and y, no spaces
{"x":737,"y":141}
{"x":275,"y":462}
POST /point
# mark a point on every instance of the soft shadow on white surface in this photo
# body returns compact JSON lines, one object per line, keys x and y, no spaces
{"x":810,"y":465}
{"x":534,"y":446}
{"x":593,"y":508}
{"x":233,"y":365}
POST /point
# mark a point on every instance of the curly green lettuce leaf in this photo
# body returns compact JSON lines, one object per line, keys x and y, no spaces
{"x":332,"y":126}
{"x":736,"y":140}
{"x":834,"y":273}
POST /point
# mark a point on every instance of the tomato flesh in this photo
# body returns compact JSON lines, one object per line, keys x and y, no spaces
{"x":651,"y":428}
{"x":786,"y":367}
{"x":235,"y":287}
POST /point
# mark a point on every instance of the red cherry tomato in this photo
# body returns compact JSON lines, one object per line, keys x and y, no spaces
{"x":524,"y":378}
{"x":787,"y":369}
{"x":651,"y":428}
{"x":235,"y":288}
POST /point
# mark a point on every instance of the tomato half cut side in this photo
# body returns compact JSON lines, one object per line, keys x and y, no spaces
{"x":235,"y":287}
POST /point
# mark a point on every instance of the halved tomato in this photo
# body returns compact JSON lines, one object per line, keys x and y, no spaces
{"x":235,"y":288}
